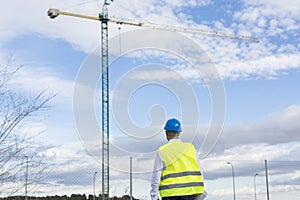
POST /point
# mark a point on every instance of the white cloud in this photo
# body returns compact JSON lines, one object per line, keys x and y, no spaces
{"x":67,"y":150}
{"x":276,"y":128}
{"x":256,"y":18}
{"x":37,"y":79}
{"x":32,"y":18}
{"x":274,"y":18}
{"x":288,"y":8}
{"x":264,"y":67}
{"x":153,"y":75}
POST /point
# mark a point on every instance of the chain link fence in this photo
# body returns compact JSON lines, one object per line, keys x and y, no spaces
{"x":72,"y":176}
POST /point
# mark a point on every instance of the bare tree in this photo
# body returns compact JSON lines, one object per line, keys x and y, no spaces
{"x":17,"y":150}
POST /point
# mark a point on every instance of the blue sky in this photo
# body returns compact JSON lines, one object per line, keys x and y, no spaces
{"x":261,"y":85}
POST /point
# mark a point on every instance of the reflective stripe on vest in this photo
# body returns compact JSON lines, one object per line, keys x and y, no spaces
{"x":180,"y":185}
{"x":181,"y":175}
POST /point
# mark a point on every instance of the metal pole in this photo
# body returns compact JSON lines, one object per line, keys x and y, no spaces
{"x":94,"y":197}
{"x":26,"y":178}
{"x":130,"y":178}
{"x":255,"y":185}
{"x":267,"y":181}
{"x":233,"y":182}
{"x":105,"y":101}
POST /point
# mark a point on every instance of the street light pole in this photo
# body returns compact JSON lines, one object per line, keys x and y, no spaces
{"x":255,"y":185}
{"x":94,"y":197}
{"x":233,"y":183}
{"x":130,"y":178}
{"x":267,"y":180}
{"x":26,"y":177}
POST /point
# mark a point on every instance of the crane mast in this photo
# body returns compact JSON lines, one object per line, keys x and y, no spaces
{"x":105,"y":100}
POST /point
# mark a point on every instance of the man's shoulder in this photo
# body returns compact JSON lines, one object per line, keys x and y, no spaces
{"x":163,"y":146}
{"x":178,"y":143}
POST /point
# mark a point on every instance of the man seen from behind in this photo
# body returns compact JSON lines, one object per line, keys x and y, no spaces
{"x":176,"y":174}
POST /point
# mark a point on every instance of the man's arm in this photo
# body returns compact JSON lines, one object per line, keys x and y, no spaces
{"x":157,"y":169}
{"x":202,"y":196}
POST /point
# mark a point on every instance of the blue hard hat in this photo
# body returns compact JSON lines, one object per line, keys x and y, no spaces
{"x":173,"y":125}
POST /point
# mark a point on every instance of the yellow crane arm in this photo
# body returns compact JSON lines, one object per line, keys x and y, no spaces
{"x":53,"y":13}
{"x":200,"y":32}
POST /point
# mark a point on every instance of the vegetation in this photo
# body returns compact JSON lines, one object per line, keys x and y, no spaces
{"x":65,"y":197}
{"x":18,"y":148}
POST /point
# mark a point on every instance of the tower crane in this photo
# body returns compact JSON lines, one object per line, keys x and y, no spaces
{"x":104,"y":19}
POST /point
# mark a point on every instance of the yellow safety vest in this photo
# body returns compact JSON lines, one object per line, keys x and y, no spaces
{"x":181,"y":175}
